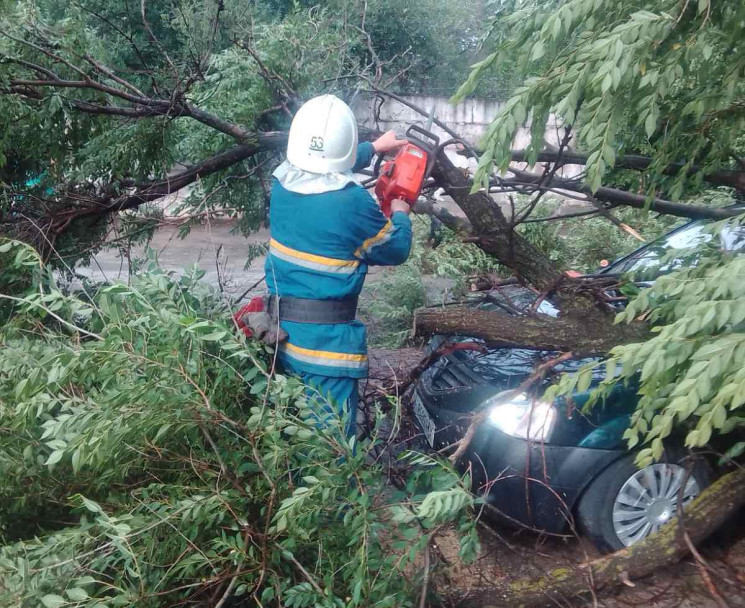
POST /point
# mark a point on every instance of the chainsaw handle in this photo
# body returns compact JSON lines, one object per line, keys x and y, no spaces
{"x":426,"y":140}
{"x":378,"y":163}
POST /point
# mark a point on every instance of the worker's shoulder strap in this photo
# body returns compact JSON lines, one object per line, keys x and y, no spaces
{"x":302,"y":310}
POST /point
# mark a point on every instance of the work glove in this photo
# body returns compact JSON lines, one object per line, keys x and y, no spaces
{"x":255,"y":322}
{"x":264,"y":328}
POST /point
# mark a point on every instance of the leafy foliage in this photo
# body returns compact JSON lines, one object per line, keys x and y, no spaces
{"x":148,"y":457}
{"x":582,"y":244}
{"x":662,"y":72}
{"x":691,"y":372}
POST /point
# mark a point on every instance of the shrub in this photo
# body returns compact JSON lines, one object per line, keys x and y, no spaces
{"x":150,"y":457}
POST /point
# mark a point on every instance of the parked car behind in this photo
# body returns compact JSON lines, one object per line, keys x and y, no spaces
{"x":550,"y":466}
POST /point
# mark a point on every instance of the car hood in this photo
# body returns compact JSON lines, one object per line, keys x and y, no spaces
{"x":500,"y":368}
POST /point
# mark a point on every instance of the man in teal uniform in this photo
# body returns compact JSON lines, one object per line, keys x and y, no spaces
{"x":325,"y":232}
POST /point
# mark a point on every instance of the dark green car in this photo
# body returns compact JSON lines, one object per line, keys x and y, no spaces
{"x":549,"y":466}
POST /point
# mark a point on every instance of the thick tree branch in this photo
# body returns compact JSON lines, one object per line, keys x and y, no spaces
{"x":456,"y":223}
{"x":127,"y":112}
{"x":623,"y":198}
{"x":142,"y":106}
{"x":80,"y":207}
{"x":495,"y":234}
{"x":666,"y":547}
{"x":584,"y":335}
{"x":144,"y":193}
{"x":637,"y":162}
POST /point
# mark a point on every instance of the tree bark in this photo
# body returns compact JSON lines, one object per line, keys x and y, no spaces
{"x":258,"y":142}
{"x":668,"y":546}
{"x":586,"y":335}
{"x":457,"y":224}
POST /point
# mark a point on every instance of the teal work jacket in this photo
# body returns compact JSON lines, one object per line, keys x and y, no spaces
{"x":321,"y":246}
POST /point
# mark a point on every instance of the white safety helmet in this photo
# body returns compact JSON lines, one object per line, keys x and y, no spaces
{"x":323,"y":136}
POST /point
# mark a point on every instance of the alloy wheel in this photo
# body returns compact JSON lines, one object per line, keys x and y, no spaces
{"x":649,"y":499}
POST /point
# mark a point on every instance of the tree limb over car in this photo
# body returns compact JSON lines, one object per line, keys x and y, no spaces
{"x":538,"y":332}
{"x":668,"y":546}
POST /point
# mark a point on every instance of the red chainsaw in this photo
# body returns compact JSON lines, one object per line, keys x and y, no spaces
{"x":403,"y":176}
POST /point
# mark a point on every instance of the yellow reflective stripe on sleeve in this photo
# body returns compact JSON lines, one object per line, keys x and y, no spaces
{"x":324,"y":357}
{"x":310,"y":260}
{"x":378,"y":239}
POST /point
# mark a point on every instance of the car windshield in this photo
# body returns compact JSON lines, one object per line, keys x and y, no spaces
{"x":732,"y":238}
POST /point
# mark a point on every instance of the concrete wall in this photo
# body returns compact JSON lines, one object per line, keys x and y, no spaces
{"x":469,"y":119}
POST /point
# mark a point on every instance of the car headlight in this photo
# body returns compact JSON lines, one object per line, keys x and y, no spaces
{"x":523,"y":417}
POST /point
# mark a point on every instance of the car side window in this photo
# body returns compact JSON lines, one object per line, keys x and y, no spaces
{"x":732,"y":238}
{"x":648,"y":256}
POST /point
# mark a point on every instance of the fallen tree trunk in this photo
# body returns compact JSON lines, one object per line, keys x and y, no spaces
{"x":586,"y":335}
{"x":666,"y":547}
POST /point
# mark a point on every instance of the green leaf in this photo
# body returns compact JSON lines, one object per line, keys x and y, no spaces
{"x":538,"y":51}
{"x":734,"y":452}
{"x":53,"y":601}
{"x":76,"y":455}
{"x":607,"y":82}
{"x":20,"y":389}
{"x":719,"y":416}
{"x":214,"y":336}
{"x":55,"y":457}
{"x":657,"y":448}
{"x":550,"y":393}
{"x":161,"y":431}
{"x":258,"y":387}
{"x":93,"y":507}
{"x":76,"y":594}
{"x":610,"y":369}
{"x":584,"y":380}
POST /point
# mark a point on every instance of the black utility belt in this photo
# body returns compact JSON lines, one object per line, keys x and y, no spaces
{"x":301,"y":310}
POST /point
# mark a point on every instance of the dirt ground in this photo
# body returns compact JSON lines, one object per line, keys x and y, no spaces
{"x":510,"y":553}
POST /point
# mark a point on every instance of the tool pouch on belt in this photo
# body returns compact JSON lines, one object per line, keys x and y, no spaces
{"x":255,"y":320}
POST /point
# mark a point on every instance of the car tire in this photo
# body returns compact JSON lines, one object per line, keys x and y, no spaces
{"x":624,"y":504}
